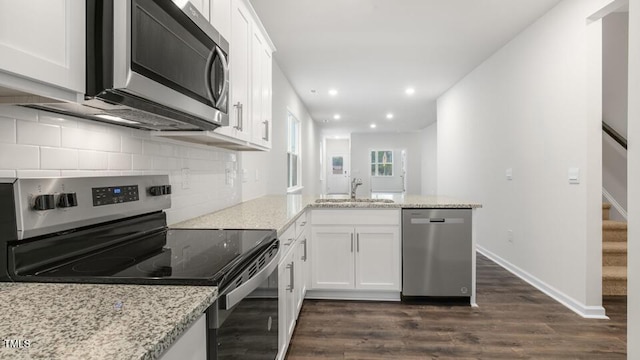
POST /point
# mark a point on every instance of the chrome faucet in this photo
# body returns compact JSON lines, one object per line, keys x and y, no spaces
{"x":354,"y":185}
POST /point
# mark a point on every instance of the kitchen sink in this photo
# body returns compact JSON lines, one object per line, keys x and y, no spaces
{"x":385,"y":201}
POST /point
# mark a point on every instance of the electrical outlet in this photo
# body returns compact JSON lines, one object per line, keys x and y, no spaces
{"x":186,"y":178}
{"x":510,"y":236}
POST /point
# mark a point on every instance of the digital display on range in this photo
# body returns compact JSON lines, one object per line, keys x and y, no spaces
{"x":114,"y":195}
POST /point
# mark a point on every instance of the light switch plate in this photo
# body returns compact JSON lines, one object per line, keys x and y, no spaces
{"x":186,"y":178}
{"x":574,"y":176}
{"x":509,"y":174}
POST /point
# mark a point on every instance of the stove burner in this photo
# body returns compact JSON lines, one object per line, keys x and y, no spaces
{"x":104,"y":264}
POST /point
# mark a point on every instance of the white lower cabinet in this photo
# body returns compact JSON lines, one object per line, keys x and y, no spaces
{"x":363,"y":257}
{"x":292,"y":283}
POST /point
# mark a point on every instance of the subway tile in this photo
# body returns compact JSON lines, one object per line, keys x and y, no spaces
{"x":131,"y":145}
{"x":7,"y":130}
{"x":92,"y":160}
{"x":31,"y":133}
{"x":141,"y":162}
{"x":92,"y":126}
{"x":19,"y":113}
{"x":56,"y":158}
{"x":37,"y":173}
{"x":90,"y":140}
{"x":7,"y":173}
{"x":13,"y":156}
{"x":174,"y":163}
{"x":160,"y":163}
{"x":55,"y":119}
{"x":88,"y":173}
{"x":151,"y":148}
{"x":119,"y":161}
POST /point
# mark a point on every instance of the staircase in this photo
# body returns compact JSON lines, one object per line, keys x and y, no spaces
{"x":614,"y":255}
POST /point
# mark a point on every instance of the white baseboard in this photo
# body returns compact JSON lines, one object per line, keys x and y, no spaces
{"x":352,"y":295}
{"x":588,"y":312}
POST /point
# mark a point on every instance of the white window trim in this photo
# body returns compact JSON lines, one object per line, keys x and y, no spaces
{"x":378,"y":163}
{"x":299,"y":186}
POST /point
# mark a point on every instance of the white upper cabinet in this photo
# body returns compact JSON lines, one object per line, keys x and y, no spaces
{"x":221,"y":17}
{"x":42,"y":47}
{"x":203,"y":7}
{"x":250,"y":73}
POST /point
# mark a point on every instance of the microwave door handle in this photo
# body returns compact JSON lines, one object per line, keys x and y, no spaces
{"x":225,"y":79}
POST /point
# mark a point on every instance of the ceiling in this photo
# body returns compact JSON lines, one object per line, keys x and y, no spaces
{"x":370,"y":51}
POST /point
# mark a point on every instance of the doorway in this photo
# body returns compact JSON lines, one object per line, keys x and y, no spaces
{"x":388,"y":170}
{"x":338,"y":166}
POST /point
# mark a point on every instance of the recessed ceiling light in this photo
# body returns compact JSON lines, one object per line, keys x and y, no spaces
{"x":373,"y":126}
{"x":336,"y":117}
{"x":333,"y":92}
{"x":389,"y":116}
{"x":410,"y":91}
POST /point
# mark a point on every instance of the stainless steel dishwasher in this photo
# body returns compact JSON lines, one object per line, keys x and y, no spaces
{"x":436,"y":254}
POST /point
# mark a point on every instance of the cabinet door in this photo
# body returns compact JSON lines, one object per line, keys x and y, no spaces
{"x":191,"y":345}
{"x":300,"y":273}
{"x":257,"y":46}
{"x":266,"y":92}
{"x":44,"y":40}
{"x":377,"y":261}
{"x":239,"y":70}
{"x":202,"y":6}
{"x":221,"y":17}
{"x":332,"y":258}
{"x":286,"y":301}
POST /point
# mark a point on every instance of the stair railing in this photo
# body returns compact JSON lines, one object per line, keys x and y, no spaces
{"x":614,"y":135}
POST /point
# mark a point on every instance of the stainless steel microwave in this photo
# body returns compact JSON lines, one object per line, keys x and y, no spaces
{"x":152,"y":64}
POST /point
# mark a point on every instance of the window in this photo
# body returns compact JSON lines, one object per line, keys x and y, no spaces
{"x":381,"y":163}
{"x":293,"y":153}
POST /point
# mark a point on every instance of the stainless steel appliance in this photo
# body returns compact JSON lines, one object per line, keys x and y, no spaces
{"x":436,"y":254}
{"x":152,"y":64}
{"x":113,"y":230}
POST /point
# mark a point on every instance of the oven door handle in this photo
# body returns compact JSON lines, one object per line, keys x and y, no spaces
{"x":232,"y":298}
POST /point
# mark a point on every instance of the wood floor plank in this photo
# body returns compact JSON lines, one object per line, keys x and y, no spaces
{"x":513,"y":321}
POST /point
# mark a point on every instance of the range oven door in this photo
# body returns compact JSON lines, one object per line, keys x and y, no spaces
{"x":161,"y":52}
{"x":243,"y":324}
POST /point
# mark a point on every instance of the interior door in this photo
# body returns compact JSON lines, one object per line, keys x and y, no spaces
{"x":338,"y":166}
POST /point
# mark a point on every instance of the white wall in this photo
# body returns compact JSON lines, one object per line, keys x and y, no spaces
{"x":615,"y":46}
{"x":430,"y":160}
{"x":41,"y":144}
{"x":362,"y":143}
{"x":633,"y":269}
{"x":527,"y":108}
{"x":272,"y":165}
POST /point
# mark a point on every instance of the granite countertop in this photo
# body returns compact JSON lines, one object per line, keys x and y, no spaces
{"x":280,"y":211}
{"x":85,"y":321}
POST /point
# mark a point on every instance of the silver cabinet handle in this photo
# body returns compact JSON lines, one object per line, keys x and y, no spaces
{"x":291,"y":240}
{"x":303,"y":223}
{"x":304,"y":258}
{"x":291,"y":277}
{"x":266,"y":130}
{"x":351,"y":242}
{"x":238,"y":106}
{"x":358,"y":242}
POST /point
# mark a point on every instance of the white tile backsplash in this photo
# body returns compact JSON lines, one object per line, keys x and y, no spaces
{"x":119,"y":161}
{"x":14,"y":156}
{"x":32,"y":133}
{"x":57,"y":158}
{"x":7,"y":130}
{"x":83,"y":148}
{"x":92,"y":160}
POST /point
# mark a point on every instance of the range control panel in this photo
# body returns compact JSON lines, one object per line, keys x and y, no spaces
{"x":114,"y":194}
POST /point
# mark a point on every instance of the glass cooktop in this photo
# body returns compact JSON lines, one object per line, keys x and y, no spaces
{"x":171,"y":256}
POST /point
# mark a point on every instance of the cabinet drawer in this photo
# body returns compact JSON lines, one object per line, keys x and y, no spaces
{"x":301,"y":223}
{"x":286,"y":241}
{"x":356,"y":217}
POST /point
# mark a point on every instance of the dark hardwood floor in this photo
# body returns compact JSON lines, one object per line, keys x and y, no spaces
{"x":513,"y":321}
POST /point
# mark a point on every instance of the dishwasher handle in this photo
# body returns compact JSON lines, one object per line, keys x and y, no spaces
{"x":419,"y":221}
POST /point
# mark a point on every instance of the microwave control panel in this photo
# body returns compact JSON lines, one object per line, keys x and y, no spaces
{"x":114,"y":194}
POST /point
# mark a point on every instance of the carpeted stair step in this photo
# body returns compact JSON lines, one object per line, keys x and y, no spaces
{"x":605,"y":211}
{"x":614,"y":280}
{"x":614,"y":230}
{"x":614,"y":253}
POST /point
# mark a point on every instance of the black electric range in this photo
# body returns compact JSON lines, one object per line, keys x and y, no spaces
{"x":114,"y":230}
